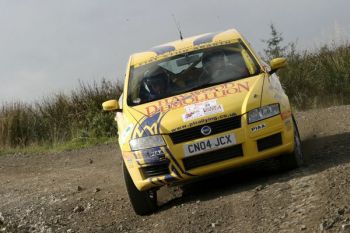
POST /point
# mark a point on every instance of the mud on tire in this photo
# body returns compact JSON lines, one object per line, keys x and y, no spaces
{"x":143,"y":202}
{"x":296,"y":158}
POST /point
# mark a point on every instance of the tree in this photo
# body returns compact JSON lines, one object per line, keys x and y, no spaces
{"x":273,"y":45}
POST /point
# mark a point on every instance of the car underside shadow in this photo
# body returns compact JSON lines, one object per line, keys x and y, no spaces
{"x":320,"y":153}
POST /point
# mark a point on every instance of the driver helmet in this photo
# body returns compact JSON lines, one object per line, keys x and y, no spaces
{"x":155,"y":84}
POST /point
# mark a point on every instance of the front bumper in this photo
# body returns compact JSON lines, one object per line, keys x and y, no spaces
{"x":165,"y":165}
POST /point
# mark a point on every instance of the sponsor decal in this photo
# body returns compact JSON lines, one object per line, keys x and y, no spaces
{"x":194,"y":97}
{"x":153,"y":155}
{"x":258,"y":127}
{"x":148,"y":126}
{"x":150,"y":156}
{"x":288,"y":124}
{"x":128,"y":156}
{"x":202,"y":109}
{"x":203,"y":121}
{"x":126,"y":133}
{"x":170,"y":52}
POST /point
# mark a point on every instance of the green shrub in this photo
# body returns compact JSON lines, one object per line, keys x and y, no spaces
{"x":312,"y":79}
{"x":318,"y":79}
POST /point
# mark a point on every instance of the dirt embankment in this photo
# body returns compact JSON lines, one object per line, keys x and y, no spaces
{"x":83,"y":191}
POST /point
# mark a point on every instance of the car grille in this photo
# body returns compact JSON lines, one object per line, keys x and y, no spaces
{"x":212,"y":157}
{"x":269,"y":142}
{"x":216,"y":127}
{"x":155,"y":170}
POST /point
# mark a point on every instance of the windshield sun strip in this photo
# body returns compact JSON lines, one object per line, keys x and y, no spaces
{"x":185,"y":50}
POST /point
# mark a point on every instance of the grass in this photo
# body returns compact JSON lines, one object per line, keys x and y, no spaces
{"x":59,"y":121}
{"x":318,"y":79}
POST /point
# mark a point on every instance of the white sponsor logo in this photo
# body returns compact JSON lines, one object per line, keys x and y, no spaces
{"x":126,"y":133}
{"x":202,"y":109}
{"x":258,"y":127}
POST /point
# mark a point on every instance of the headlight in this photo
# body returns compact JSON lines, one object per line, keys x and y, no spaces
{"x":146,"y":142}
{"x":259,"y":114}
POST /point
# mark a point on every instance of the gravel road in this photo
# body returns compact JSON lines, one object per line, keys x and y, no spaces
{"x":83,"y":191}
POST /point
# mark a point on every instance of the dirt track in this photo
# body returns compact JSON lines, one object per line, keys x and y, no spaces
{"x":39,"y":193}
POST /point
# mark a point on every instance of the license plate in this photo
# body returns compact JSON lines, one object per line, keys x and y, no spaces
{"x":209,"y":144}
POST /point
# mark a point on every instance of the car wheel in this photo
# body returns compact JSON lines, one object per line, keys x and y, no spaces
{"x":296,"y":158}
{"x":143,"y":202}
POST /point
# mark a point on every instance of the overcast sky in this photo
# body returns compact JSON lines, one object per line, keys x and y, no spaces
{"x":46,"y":46}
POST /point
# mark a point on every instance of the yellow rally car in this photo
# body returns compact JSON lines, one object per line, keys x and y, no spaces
{"x":198,"y":106}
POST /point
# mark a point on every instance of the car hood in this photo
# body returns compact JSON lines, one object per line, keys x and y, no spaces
{"x":198,"y":107}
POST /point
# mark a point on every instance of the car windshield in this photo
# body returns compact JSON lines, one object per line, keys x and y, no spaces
{"x":190,"y":71}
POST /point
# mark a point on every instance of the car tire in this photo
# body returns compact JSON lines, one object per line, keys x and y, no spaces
{"x":143,"y":202}
{"x":296,"y":158}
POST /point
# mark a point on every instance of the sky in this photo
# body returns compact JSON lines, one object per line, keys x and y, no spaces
{"x":48,"y":46}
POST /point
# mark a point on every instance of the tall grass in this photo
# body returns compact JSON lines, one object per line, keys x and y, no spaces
{"x":318,"y":79}
{"x":60,"y":118}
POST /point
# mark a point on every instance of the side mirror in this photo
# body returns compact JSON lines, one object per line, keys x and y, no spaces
{"x":110,"y":105}
{"x":277,"y":63}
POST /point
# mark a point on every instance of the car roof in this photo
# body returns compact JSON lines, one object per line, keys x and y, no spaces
{"x":184,"y":45}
